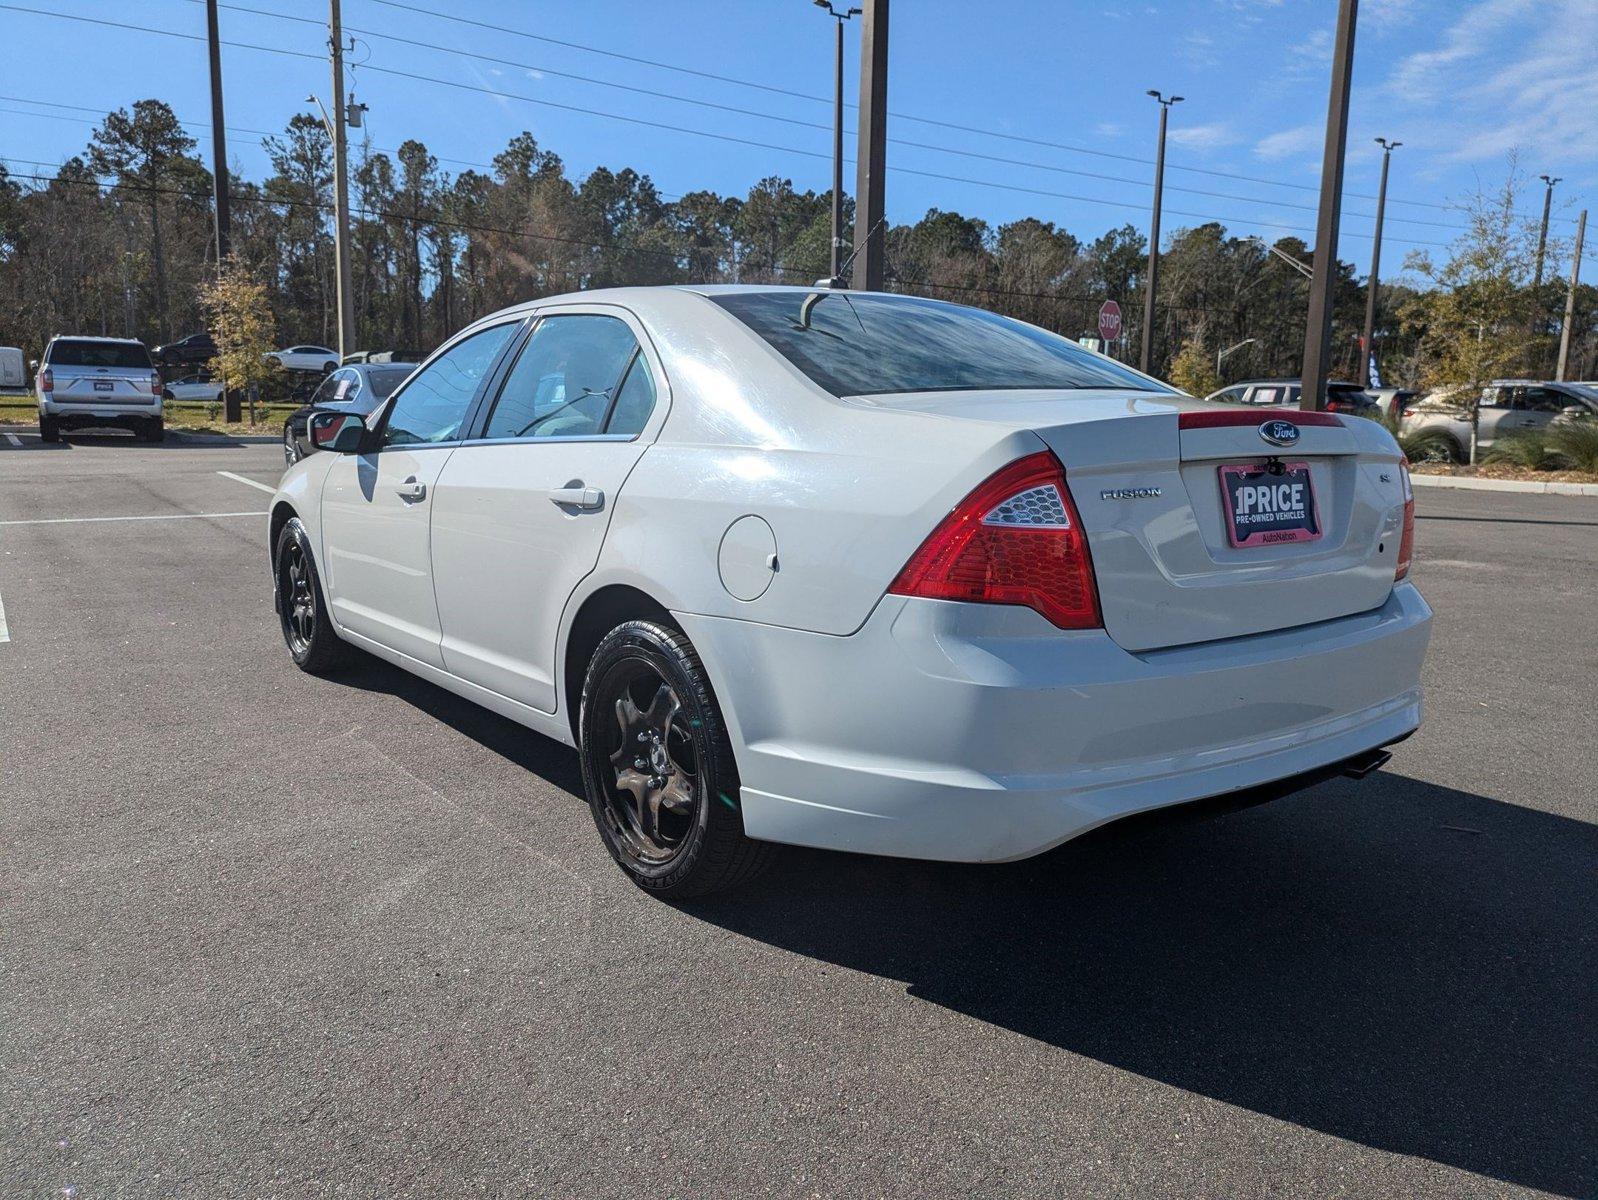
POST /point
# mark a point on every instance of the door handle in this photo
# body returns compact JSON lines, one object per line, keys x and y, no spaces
{"x":412,"y":489}
{"x":575,"y":495}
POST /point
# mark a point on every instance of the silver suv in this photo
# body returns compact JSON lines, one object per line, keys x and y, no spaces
{"x":85,"y":382}
{"x":1441,"y":419}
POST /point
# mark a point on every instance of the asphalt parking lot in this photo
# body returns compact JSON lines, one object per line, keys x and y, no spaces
{"x":268,"y":935}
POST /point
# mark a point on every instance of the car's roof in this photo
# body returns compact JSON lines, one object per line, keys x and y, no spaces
{"x":667,"y":292}
{"x":84,"y":337}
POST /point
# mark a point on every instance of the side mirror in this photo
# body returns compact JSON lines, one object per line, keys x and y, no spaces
{"x":1573,"y":410}
{"x":33,"y":364}
{"x":341,"y":433}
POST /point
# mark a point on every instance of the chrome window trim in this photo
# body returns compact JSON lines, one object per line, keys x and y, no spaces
{"x":535,"y":441}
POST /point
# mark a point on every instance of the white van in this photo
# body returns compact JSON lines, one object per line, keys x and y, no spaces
{"x":11,"y":377}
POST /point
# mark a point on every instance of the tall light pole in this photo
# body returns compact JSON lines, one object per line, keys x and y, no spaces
{"x":1368,"y":348}
{"x":218,"y":139}
{"x":341,"y":184}
{"x":1154,"y":235}
{"x":837,"y":137}
{"x":871,"y":158}
{"x":1318,"y":329}
{"x":1542,"y":237}
{"x":1221,"y":355}
{"x":1570,"y":299}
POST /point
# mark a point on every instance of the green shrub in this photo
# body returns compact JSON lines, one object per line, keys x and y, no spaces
{"x":1531,"y":449}
{"x":1576,"y":443}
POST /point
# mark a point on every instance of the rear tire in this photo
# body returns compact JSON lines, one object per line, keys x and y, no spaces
{"x":49,"y":431}
{"x":154,"y":431}
{"x":674,"y":824}
{"x":301,"y":609}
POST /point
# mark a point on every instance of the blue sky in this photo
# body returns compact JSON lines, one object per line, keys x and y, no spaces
{"x":1462,"y":83}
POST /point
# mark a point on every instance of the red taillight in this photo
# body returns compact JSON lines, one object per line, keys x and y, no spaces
{"x":1017,"y":539}
{"x":155,"y":383}
{"x":46,"y":380}
{"x":1406,"y":544}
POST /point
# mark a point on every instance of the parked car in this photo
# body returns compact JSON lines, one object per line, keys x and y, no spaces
{"x":199,"y":386}
{"x":1441,"y":418}
{"x":1340,"y":397}
{"x":193,"y":351}
{"x":383,"y":356}
{"x":98,"y":382}
{"x":305,"y":358}
{"x":859,"y":571}
{"x":1391,"y":401}
{"x":354,"y":389}
{"x":12,"y":378}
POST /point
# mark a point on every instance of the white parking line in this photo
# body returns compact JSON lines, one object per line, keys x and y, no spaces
{"x":265,"y":487}
{"x":14,"y":439}
{"x":5,"y":631}
{"x":157,"y":517}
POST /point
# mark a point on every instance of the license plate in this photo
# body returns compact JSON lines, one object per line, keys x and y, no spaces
{"x":1264,"y":509}
{"x":103,"y":385}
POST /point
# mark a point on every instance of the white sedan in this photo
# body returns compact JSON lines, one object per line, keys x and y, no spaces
{"x":859,"y":571}
{"x":305,"y":358}
{"x":201,"y":386}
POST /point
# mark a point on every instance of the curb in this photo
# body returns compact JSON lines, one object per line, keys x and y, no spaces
{"x":1505,"y":485}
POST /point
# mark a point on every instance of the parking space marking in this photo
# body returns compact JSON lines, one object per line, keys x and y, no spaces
{"x":5,"y":630}
{"x":155,"y":517}
{"x":14,"y":439}
{"x":250,"y":482}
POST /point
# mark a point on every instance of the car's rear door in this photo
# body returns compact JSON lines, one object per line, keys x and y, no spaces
{"x":377,"y":507}
{"x":522,"y":509}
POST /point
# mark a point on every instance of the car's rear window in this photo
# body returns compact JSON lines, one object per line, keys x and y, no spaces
{"x":70,"y":353}
{"x":867,"y":345}
{"x":385,"y":379}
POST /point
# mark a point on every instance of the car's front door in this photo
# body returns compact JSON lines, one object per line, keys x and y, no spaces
{"x":1535,"y":408}
{"x":522,"y":511}
{"x":377,"y":506}
{"x":1491,"y":416}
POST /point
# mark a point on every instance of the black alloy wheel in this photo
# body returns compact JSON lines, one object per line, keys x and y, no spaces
{"x":301,"y":611}
{"x":658,"y":766}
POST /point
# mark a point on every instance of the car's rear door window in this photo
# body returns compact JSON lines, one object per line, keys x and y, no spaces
{"x":865,"y":345}
{"x":565,"y":381}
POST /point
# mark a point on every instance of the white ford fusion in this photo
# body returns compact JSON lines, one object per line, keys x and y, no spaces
{"x":859,"y":571}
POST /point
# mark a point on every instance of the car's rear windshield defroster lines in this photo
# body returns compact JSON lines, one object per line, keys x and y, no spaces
{"x":872,"y":345}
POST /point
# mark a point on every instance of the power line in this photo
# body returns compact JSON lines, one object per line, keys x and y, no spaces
{"x":765,"y":116}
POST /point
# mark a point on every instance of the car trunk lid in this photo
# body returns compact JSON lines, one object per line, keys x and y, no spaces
{"x":1145,"y":473}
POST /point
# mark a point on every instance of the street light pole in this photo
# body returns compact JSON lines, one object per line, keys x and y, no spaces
{"x":836,"y":260}
{"x":1318,"y":329}
{"x":1570,"y":299}
{"x":1542,"y":237}
{"x":341,"y":185}
{"x":1221,"y":355}
{"x":1154,"y":235}
{"x":1368,"y":348}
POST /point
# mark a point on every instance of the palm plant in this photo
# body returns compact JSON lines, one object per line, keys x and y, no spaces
{"x":1576,"y":444}
{"x":1531,"y":449}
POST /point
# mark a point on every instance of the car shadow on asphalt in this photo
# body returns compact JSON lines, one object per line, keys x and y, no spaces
{"x":1403,"y":965}
{"x":1406,"y":966}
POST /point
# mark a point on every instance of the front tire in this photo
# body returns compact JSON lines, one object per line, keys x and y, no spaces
{"x":301,"y":609}
{"x":658,"y":766}
{"x":154,"y":431}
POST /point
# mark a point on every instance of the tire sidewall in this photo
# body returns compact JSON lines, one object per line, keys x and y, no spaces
{"x":293,"y":533}
{"x":653,"y":644}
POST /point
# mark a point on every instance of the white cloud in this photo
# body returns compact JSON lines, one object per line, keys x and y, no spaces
{"x":1287,"y":142}
{"x":1109,"y":129}
{"x":1203,"y":137}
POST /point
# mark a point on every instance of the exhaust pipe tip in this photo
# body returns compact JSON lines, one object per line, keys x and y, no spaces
{"x":1364,"y":764}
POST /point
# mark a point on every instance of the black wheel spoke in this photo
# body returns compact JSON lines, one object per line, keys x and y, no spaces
{"x":653,"y":787}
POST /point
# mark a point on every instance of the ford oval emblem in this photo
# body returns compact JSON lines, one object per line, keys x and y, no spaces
{"x":1279,"y":433}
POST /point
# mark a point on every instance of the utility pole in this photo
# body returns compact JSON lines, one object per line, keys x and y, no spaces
{"x":871,"y":159}
{"x":1318,"y":330}
{"x":837,"y":137}
{"x":1154,"y":236}
{"x":1542,"y":237}
{"x":1367,"y":345}
{"x":1570,"y":299}
{"x":341,"y":184}
{"x":218,"y":139}
{"x":224,"y":220}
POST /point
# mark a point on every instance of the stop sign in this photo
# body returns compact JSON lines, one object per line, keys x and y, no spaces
{"x":1109,"y":320}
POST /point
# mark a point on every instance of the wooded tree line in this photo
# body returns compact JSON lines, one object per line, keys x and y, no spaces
{"x":118,"y":241}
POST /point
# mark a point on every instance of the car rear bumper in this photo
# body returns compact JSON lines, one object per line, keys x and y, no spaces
{"x":111,"y":412}
{"x":981,"y":733}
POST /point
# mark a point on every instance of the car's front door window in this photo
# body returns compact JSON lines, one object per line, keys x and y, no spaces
{"x":434,"y":401}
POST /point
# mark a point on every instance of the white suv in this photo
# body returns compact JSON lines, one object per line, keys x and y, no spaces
{"x":85,"y":382}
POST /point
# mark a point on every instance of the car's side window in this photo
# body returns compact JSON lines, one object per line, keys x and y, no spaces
{"x":325,"y":390}
{"x":434,"y":401}
{"x":1541,"y":400}
{"x":635,"y":401}
{"x":565,"y":381}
